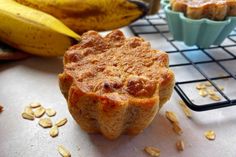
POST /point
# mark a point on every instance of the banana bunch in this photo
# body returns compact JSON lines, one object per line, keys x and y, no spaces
{"x":84,"y":15}
{"x":33,"y":31}
{"x":43,"y":27}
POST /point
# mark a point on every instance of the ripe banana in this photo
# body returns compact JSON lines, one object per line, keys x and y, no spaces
{"x":84,"y":15}
{"x":33,"y":31}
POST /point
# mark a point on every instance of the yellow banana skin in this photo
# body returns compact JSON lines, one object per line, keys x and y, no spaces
{"x":33,"y":31}
{"x":84,"y":15}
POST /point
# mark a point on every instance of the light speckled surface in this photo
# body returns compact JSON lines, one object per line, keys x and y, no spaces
{"x":35,"y":79}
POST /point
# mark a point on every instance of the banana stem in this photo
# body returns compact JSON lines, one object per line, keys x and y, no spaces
{"x":154,"y":6}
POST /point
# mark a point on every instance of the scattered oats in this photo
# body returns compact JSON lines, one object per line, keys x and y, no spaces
{"x":211,"y":92}
{"x":63,"y":151}
{"x":187,"y":112}
{"x":45,"y":122}
{"x":35,"y":105}
{"x":152,"y":151}
{"x":200,"y":86}
{"x":27,"y":116}
{"x":210,"y":135}
{"x":177,"y":129}
{"x":50,"y":112}
{"x":1,"y":108}
{"x":54,"y":131}
{"x":203,"y":92}
{"x":28,"y":113}
{"x":208,"y":84}
{"x":61,"y":122}
{"x":185,"y":109}
{"x":215,"y":97}
{"x":180,"y":145}
{"x":221,"y":88}
{"x":29,"y":110}
{"x":181,"y":103}
{"x":171,"y":116}
{"x":39,"y":112}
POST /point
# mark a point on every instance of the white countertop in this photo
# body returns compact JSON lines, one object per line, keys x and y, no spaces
{"x":35,"y":79}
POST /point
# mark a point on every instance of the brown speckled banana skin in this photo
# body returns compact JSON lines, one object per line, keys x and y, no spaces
{"x":84,"y":15}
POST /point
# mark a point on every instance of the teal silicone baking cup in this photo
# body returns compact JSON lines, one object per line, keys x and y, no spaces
{"x":164,"y":3}
{"x":203,"y":32}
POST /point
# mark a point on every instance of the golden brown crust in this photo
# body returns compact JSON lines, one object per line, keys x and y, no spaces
{"x":211,"y":9}
{"x":115,"y":85}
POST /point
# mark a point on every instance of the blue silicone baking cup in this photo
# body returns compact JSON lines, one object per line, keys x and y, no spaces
{"x":203,"y":32}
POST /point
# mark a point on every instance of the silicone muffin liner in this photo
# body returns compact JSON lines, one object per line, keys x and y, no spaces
{"x":203,"y":32}
{"x":164,"y":3}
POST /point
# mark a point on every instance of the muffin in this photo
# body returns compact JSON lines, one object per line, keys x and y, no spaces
{"x":201,"y":22}
{"x":115,"y":85}
{"x":210,"y":9}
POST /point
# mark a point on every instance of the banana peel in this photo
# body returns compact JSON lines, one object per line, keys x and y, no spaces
{"x":34,"y":31}
{"x":84,"y":15}
{"x":27,"y":26}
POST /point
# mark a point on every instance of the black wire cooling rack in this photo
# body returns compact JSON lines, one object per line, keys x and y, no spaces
{"x":156,"y":25}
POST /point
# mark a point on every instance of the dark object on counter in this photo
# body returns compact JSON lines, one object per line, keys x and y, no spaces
{"x":8,"y":53}
{"x":154,"y":6}
{"x":1,"y":108}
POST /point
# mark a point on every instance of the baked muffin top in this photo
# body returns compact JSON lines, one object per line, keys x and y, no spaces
{"x":199,"y":3}
{"x":211,"y":9}
{"x":114,"y":64}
